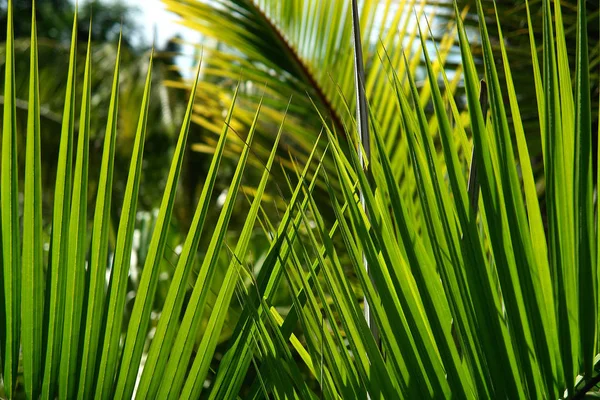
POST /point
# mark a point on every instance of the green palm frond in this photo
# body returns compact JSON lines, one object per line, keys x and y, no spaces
{"x":11,"y":276}
{"x":301,"y":49}
{"x":494,"y":299}
{"x":520,"y":316}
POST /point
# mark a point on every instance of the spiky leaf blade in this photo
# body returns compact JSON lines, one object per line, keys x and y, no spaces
{"x":32,"y":306}
{"x":94,"y":316}
{"x":135,"y":338}
{"x":55,"y":294}
{"x":122,"y":258}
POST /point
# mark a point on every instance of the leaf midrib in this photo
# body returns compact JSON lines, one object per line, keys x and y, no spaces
{"x":302,"y":69}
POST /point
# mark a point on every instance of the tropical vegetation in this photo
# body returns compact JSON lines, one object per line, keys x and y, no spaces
{"x":384,"y":232}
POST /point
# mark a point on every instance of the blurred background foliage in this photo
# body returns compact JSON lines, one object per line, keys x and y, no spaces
{"x":273,"y":52}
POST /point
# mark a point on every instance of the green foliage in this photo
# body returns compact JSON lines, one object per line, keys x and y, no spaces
{"x":302,"y":47}
{"x":491,"y":296}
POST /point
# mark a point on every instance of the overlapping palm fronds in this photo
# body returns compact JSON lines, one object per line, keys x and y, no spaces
{"x":302,"y":49}
{"x":484,"y":301}
{"x":518,"y":47}
{"x":497,"y":299}
{"x":56,"y":307}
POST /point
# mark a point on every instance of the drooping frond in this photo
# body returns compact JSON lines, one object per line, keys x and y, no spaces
{"x":303,"y":49}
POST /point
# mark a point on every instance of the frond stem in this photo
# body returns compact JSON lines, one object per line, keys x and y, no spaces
{"x":302,"y":69}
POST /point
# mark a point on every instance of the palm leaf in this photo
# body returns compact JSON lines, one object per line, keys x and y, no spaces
{"x":471,"y":296}
{"x":32,"y":307}
{"x":300,"y":48}
{"x":77,"y":251}
{"x":121,"y":263}
{"x":94,"y":316}
{"x":9,"y":336}
{"x":58,"y":260}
